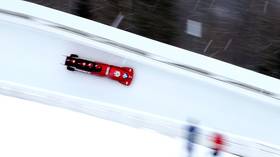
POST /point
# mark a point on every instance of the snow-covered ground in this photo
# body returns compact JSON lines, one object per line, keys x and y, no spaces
{"x":33,"y":129}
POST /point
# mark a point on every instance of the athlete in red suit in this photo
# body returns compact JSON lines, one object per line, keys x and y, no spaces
{"x":218,"y":141}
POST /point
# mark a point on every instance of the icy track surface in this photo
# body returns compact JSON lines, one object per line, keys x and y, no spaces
{"x":32,"y":129}
{"x":34,"y":58}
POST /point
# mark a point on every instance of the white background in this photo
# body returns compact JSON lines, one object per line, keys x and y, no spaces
{"x":33,"y":129}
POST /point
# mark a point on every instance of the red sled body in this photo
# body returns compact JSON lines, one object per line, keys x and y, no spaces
{"x":123,"y":75}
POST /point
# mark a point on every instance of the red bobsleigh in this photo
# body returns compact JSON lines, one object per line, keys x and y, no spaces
{"x":124,"y":75}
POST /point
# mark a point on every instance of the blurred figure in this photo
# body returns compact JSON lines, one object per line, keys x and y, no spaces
{"x":218,"y":142}
{"x":192,"y":133}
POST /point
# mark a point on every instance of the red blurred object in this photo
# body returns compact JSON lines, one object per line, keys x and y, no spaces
{"x":218,"y":141}
{"x":124,"y":75}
